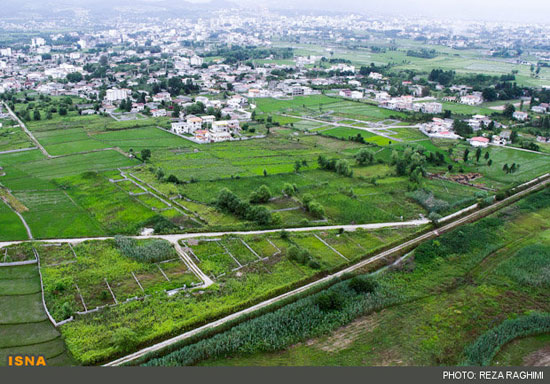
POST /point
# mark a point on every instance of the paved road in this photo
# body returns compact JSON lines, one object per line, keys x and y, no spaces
{"x":18,"y":150}
{"x":176,"y":237}
{"x":402,"y":247}
{"x":375,"y":131}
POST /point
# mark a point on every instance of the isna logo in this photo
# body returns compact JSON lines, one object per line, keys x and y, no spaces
{"x":26,"y":361}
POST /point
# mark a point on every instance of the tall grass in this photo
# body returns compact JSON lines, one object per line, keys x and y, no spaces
{"x":485,"y":348}
{"x":303,"y":319}
{"x":151,"y":252}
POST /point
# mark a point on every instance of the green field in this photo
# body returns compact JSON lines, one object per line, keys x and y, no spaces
{"x":24,"y":326}
{"x":450,"y":292}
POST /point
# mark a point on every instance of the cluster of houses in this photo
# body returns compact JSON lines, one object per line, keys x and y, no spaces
{"x":443,"y":129}
{"x":408,"y":103}
{"x":205,"y":129}
{"x":541,"y":108}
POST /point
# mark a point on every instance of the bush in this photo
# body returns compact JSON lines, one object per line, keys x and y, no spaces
{"x":329,"y":301}
{"x":363,"y":284}
{"x":125,"y":339}
{"x":261,"y":195}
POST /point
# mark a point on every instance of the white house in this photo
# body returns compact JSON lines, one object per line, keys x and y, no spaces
{"x":473,"y":99}
{"x":521,"y":116}
{"x":158,"y":112}
{"x":194,"y":123}
{"x":375,"y":76}
{"x":180,"y":127}
{"x":479,"y":142}
{"x":538,"y":109}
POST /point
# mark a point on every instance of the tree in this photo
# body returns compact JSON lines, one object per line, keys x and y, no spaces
{"x":466,"y":154}
{"x":36,"y":115}
{"x":261,"y":195}
{"x":288,"y":189}
{"x":103,"y":61}
{"x":490,"y":162}
{"x":265,"y":172}
{"x":509,"y":111}
{"x":297,"y":166}
{"x":145,"y":154}
{"x":364,"y":156}
{"x":487,"y":155}
{"x":62,"y":111}
{"x":478,"y":154}
{"x":342,"y":167}
{"x":176,"y":111}
{"x":505,"y":168}
{"x":74,"y":77}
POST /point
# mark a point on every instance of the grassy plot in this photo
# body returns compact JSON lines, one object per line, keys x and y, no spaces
{"x":84,"y":279}
{"x":12,"y":137}
{"x":24,"y":326}
{"x":12,"y":227}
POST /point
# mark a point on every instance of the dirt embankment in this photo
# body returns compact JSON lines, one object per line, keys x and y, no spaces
{"x":540,"y":358}
{"x":462,"y":178}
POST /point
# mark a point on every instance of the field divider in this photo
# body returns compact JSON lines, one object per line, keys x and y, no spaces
{"x":331,"y":247}
{"x":81,"y":297}
{"x":274,"y":246}
{"x":52,"y":320}
{"x":110,"y":290}
{"x":138,"y":283}
{"x":250,"y":248}
{"x":231,"y":255}
{"x":161,"y":271}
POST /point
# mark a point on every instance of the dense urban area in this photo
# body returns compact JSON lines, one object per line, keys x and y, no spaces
{"x":234,"y":186}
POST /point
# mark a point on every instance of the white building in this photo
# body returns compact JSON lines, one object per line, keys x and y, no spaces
{"x":479,"y":142}
{"x":196,"y":61}
{"x":116,"y":94}
{"x":375,"y":76}
{"x":473,"y":99}
{"x":521,"y":116}
{"x":194,"y":123}
{"x":5,"y":52}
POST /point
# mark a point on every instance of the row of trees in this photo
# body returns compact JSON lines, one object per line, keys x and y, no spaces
{"x":227,"y":201}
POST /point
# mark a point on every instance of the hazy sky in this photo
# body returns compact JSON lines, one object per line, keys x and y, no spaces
{"x":512,"y":10}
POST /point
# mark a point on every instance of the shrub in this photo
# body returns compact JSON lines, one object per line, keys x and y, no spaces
{"x":363,"y":284}
{"x":261,"y":195}
{"x":329,"y":301}
{"x":125,"y":339}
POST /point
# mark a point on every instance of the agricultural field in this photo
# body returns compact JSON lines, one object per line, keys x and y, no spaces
{"x":447,"y":294}
{"x":245,"y":270}
{"x":12,"y":227}
{"x":70,"y":135}
{"x":93,"y":274}
{"x":462,"y":61}
{"x":24,"y":325}
{"x":12,"y":137}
